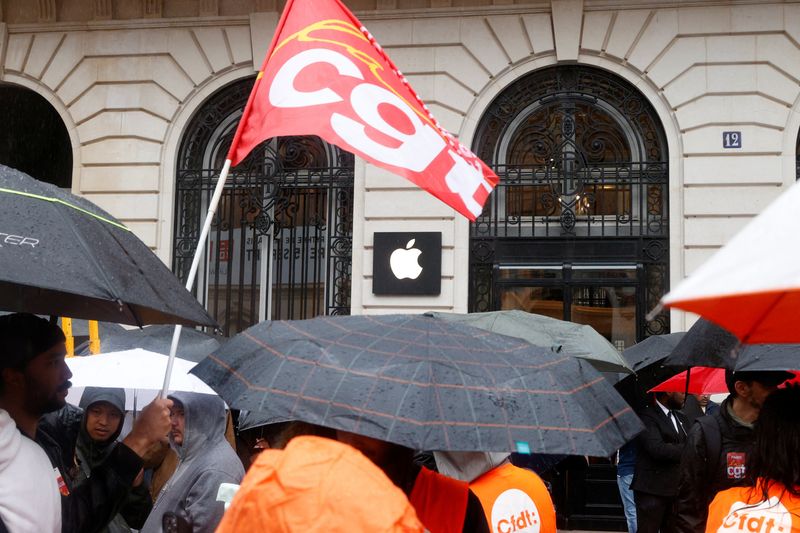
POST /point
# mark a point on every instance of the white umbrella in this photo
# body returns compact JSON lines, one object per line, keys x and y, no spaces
{"x":139,"y":372}
{"x":751,"y":286}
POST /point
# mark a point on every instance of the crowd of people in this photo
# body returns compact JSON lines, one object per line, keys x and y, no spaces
{"x":696,"y":467}
{"x":700,"y":466}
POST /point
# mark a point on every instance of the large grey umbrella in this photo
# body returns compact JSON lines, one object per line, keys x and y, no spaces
{"x":577,"y":340}
{"x":421,"y":382}
{"x":62,"y":255}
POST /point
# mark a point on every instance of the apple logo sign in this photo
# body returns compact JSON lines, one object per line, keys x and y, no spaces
{"x":404,"y":262}
{"x":407,"y":263}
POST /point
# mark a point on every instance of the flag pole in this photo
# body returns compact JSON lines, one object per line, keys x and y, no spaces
{"x":201,"y":242}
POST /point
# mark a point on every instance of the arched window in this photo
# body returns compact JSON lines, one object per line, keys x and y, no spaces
{"x":34,"y":139}
{"x":578,"y":227}
{"x":280,"y":246}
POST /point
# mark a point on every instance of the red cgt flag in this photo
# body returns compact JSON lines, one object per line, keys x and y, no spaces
{"x":326,"y":75}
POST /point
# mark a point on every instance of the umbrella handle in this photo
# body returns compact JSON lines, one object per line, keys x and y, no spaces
{"x":201,"y":242}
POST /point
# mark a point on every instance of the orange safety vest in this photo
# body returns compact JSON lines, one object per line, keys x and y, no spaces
{"x":440,"y":501}
{"x":515,"y":500}
{"x":744,"y":510}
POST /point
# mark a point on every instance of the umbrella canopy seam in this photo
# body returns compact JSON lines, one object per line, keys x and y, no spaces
{"x":67,"y":204}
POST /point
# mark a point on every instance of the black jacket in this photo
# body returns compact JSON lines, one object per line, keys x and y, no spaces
{"x":702,"y":475}
{"x":90,"y":506}
{"x":658,"y":455}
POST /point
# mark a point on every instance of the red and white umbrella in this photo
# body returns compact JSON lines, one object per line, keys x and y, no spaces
{"x":751,"y":286}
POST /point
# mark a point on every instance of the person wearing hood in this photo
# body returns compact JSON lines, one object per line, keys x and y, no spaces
{"x":100,"y":426}
{"x":206,"y":460}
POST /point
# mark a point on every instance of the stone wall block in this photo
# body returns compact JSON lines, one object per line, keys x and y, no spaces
{"x":44,"y":47}
{"x":430,"y":31}
{"x":126,"y":42}
{"x":183,"y":48}
{"x":478,"y":39}
{"x":595,"y":30}
{"x":419,"y":304}
{"x":779,"y":52}
{"x":141,"y":178}
{"x":734,"y":109}
{"x":627,"y":27}
{"x":716,"y":201}
{"x":694,"y":257}
{"x":460,"y":64}
{"x":17,"y":50}
{"x":771,"y":81}
{"x":114,"y":151}
{"x":123,"y":123}
{"x":704,"y":20}
{"x":394,"y":32}
{"x":512,"y":37}
{"x":730,"y":48}
{"x":262,"y":27}
{"x":239,"y":39}
{"x":683,"y":53}
{"x":212,"y":42}
{"x":448,"y":91}
{"x":100,"y":126}
{"x":169,"y":75}
{"x":567,"y":15}
{"x":757,"y":18}
{"x":443,"y":225}
{"x":66,"y":58}
{"x":414,"y":59}
{"x":725,"y":169}
{"x":81,"y":79}
{"x":661,"y":30}
{"x":127,"y":206}
{"x":731,"y":78}
{"x":691,"y":84}
{"x":540,"y":32}
{"x":714,"y":231}
{"x":404,"y":205}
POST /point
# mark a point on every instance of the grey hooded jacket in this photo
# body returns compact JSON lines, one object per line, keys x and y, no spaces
{"x":206,"y":460}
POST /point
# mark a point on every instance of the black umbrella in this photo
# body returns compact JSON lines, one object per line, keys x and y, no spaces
{"x":62,"y":255}
{"x":646,"y":358}
{"x":423,"y":383}
{"x":705,"y":344}
{"x":194,"y":345}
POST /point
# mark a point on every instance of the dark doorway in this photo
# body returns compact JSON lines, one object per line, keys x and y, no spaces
{"x":34,"y":138}
{"x":577,"y":229}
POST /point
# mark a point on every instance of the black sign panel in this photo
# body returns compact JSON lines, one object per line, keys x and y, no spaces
{"x":407,"y":263}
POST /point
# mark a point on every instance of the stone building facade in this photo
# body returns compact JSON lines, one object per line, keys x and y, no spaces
{"x":128,"y":78}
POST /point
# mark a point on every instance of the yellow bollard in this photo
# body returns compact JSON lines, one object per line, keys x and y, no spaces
{"x":66,"y":326}
{"x":94,"y":337}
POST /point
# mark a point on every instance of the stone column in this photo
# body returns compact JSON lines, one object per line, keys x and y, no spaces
{"x":47,"y":10}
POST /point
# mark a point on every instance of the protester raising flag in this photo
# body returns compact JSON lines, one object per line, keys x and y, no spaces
{"x":325,"y":75}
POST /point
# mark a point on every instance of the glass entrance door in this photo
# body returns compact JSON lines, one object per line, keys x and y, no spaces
{"x":602,"y":296}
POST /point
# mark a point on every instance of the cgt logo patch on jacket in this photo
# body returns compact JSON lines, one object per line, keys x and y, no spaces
{"x":514,"y":512}
{"x":769,"y":516}
{"x":736,"y":465}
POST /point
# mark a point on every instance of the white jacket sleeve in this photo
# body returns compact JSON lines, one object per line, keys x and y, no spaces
{"x":29,"y":497}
